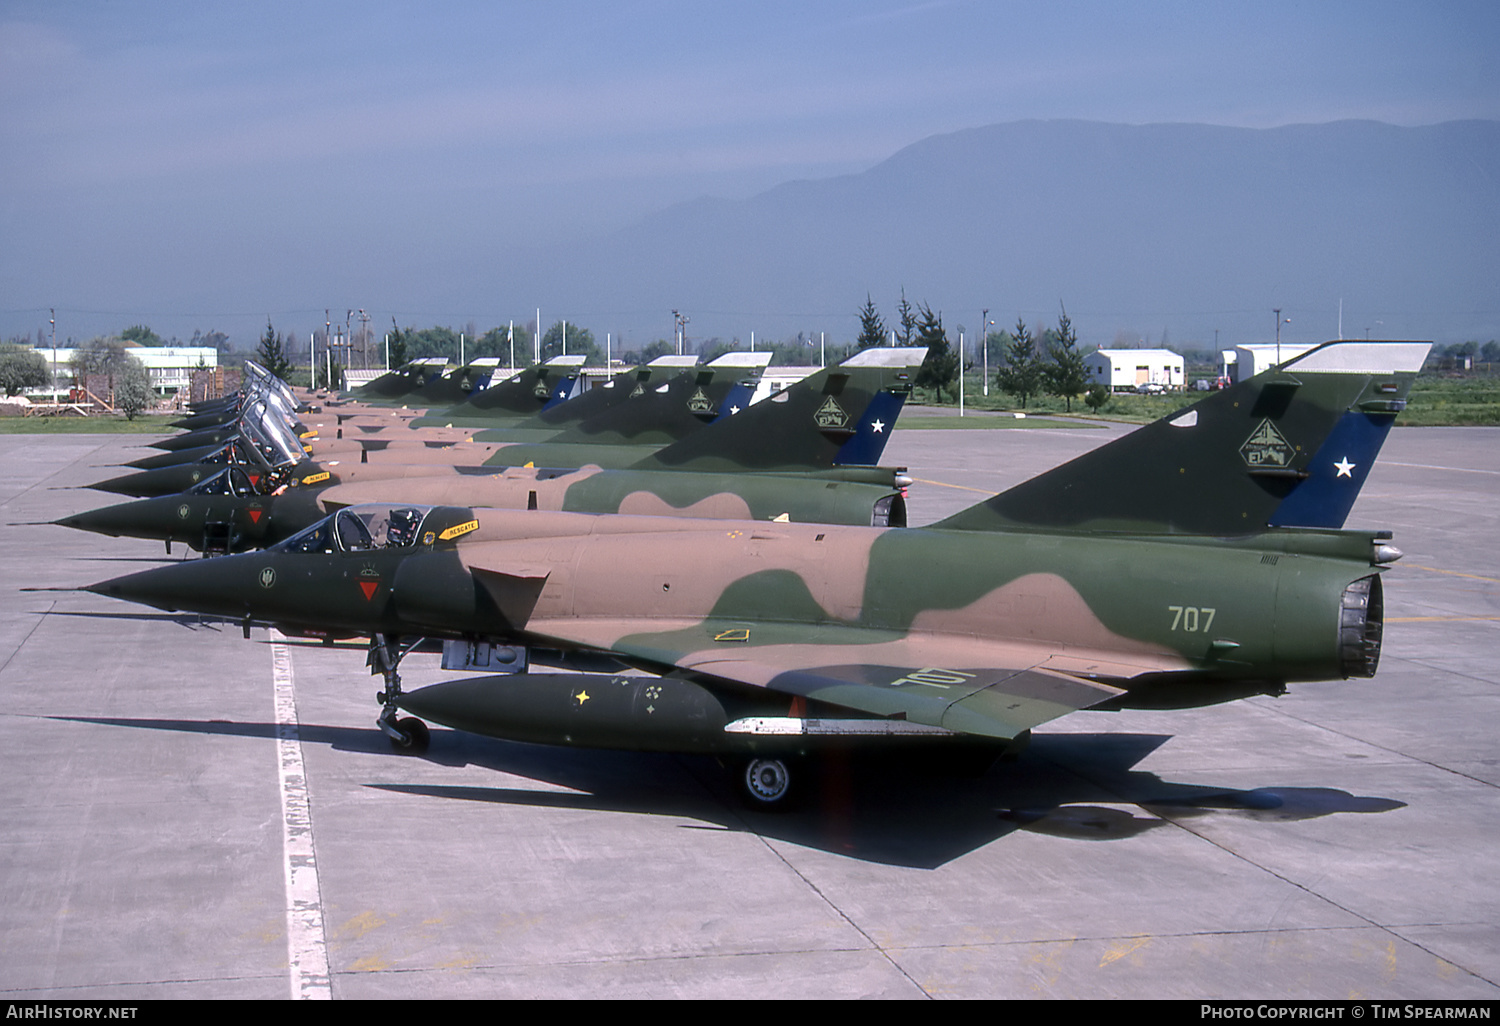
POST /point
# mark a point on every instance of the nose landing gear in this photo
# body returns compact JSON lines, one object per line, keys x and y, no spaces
{"x":407,"y":733}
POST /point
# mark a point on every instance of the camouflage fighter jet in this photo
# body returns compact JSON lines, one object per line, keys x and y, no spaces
{"x":508,"y":397}
{"x":849,"y":437}
{"x":782,"y":458}
{"x":726,"y":383}
{"x":875,"y":380}
{"x":1151,"y":572}
{"x":535,"y":389}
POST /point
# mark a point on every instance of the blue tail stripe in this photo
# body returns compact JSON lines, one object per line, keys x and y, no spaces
{"x":874,"y":430}
{"x":1336,"y":473}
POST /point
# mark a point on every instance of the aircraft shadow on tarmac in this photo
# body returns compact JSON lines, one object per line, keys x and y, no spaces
{"x":894,"y":812}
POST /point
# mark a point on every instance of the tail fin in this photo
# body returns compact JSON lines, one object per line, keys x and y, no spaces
{"x":532,"y":390}
{"x":456,"y":385}
{"x":1289,"y":447}
{"x":401,"y":381}
{"x":681,"y":405}
{"x":842,"y":415}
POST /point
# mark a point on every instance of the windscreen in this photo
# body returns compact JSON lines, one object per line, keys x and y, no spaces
{"x":365,"y":528}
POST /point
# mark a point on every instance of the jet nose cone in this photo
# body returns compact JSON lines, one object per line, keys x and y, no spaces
{"x":196,"y":586}
{"x":159,"y":588}
{"x":125,"y":484}
{"x":143,"y":519}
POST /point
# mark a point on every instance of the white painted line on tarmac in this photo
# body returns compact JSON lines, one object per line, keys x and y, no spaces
{"x":1434,"y":466}
{"x":307,"y":948}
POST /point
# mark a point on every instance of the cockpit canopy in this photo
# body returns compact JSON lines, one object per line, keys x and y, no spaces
{"x":375,"y":526}
{"x":229,"y":481}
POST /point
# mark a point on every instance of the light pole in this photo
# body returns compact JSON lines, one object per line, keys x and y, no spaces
{"x":984,"y":331}
{"x":960,"y":372}
{"x":1279,"y":322}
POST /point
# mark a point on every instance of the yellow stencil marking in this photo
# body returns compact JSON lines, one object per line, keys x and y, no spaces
{"x":464,"y":528}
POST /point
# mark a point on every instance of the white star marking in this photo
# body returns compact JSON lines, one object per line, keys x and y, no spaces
{"x":877,"y":427}
{"x":733,"y":410}
{"x":1344,"y":466}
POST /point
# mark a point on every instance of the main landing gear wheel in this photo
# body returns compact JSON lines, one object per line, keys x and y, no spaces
{"x":765,"y":784}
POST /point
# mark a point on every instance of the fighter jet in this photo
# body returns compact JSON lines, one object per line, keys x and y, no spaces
{"x":535,"y":390}
{"x":1155,"y":571}
{"x":784,"y":458}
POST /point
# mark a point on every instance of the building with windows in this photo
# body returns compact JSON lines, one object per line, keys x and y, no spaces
{"x":171,"y":367}
{"x":1122,"y":370}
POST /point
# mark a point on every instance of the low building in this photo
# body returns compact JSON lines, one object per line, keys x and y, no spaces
{"x":171,"y":367}
{"x":1243,"y":362}
{"x":1121,"y":370}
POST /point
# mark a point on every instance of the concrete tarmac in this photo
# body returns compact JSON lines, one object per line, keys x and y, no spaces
{"x":191,"y":814}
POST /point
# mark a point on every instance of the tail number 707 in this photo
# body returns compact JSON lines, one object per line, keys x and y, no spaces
{"x":1191,"y":619}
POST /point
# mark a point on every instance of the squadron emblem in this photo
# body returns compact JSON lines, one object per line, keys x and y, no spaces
{"x":1267,"y":448}
{"x":700,"y":403}
{"x":831,"y":415}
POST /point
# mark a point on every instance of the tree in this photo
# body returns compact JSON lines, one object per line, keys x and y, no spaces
{"x":432,"y":342}
{"x":398,"y":345}
{"x":271,"y":353}
{"x":871,"y":327}
{"x":940,"y":366}
{"x":133,"y":392}
{"x":141,"y":336}
{"x":21,"y":369}
{"x":99,"y":357}
{"x":497,"y":343}
{"x":649,"y":352}
{"x":908,"y":320}
{"x":1022,"y":374}
{"x":1066,"y":377}
{"x":580,"y":342}
{"x":1096,"y":397}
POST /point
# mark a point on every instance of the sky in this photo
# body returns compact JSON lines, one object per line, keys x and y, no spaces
{"x":201,"y":166}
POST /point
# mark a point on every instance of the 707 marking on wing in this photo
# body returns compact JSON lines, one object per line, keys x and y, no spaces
{"x":1192,"y":619}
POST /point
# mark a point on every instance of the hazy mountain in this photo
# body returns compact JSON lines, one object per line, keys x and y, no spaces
{"x":1139,"y":229}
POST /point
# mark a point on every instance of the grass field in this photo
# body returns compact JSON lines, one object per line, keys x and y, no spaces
{"x":1456,"y":402}
{"x":1436,"y":401}
{"x":102,"y":425}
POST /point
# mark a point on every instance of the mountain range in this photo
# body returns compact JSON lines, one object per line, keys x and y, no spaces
{"x":1184,"y":233}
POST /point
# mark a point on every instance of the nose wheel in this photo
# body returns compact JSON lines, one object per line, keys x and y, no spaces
{"x":407,"y":733}
{"x":413,"y":730}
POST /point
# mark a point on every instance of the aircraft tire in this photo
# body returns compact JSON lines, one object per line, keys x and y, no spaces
{"x":417,"y":735}
{"x":766,"y":784}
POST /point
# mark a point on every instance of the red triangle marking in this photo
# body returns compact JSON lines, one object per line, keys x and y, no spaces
{"x":369,"y":588}
{"x":255,"y":515}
